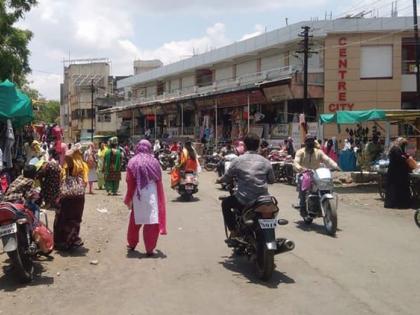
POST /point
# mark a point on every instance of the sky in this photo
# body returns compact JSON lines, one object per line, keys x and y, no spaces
{"x":170,"y":30}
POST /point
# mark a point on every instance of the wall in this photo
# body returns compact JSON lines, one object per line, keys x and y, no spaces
{"x":111,"y":126}
{"x":175,"y":84}
{"x":151,"y":90}
{"x":223,"y":73}
{"x":188,"y":81}
{"x":245,"y":68}
{"x":272,"y":62}
{"x":354,"y":93}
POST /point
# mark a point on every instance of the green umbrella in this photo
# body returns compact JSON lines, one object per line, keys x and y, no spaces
{"x":15,"y":105}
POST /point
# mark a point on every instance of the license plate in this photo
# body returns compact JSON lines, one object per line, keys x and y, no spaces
{"x":8,"y":229}
{"x":266,"y":224}
{"x":189,"y":187}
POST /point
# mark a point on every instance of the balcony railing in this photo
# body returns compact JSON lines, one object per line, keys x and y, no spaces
{"x":217,"y":86}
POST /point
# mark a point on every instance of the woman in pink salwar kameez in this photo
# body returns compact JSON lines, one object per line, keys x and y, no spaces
{"x":146,"y":198}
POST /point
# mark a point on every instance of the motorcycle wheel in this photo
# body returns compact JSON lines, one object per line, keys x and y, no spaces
{"x":22,"y":263}
{"x":264,"y":262}
{"x":209,"y":168}
{"x":308,"y":220}
{"x":330,"y":218}
{"x":417,"y":217}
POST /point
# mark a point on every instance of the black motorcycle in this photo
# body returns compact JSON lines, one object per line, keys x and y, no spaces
{"x":257,"y":239}
{"x":167,"y":159}
{"x":211,"y":162}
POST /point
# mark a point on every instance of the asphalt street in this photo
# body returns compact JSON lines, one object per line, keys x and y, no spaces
{"x":370,"y":267}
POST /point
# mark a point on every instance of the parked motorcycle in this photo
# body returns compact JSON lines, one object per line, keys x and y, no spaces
{"x":188,"y":186}
{"x":257,"y":239}
{"x":320,"y":199}
{"x":23,"y":238}
{"x":211,"y":162}
{"x":168,"y":159}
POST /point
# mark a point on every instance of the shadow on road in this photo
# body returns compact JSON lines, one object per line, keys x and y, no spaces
{"x":137,"y":255}
{"x":315,"y":227}
{"x":9,"y":283}
{"x":242,"y":267}
{"x":183,"y":200}
{"x":359,"y":189}
{"x":75,"y":252}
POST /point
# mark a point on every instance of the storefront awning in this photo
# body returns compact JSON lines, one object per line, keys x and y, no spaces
{"x":15,"y":105}
{"x":353,"y":117}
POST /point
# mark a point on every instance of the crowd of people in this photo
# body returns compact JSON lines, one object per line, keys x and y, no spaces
{"x":58,"y":179}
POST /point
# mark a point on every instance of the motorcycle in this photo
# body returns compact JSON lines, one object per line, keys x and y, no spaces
{"x":228,"y":159}
{"x":417,"y":217}
{"x":23,"y":238}
{"x":211,"y":162}
{"x":188,"y":186}
{"x":320,"y":199}
{"x":256,"y":226}
{"x":167,"y":159}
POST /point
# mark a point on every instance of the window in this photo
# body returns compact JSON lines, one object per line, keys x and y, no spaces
{"x":376,"y":62}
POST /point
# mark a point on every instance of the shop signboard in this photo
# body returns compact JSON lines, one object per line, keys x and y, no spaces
{"x":313,"y":128}
{"x":280,"y":131}
{"x":258,"y":130}
{"x":295,"y":135}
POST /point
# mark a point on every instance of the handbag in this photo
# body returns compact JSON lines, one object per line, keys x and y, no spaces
{"x":72,"y":187}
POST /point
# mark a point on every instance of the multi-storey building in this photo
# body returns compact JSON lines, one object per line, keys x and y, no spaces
{"x":84,"y":81}
{"x":256,"y":84}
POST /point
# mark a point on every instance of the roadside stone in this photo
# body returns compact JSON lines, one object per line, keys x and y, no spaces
{"x":94,"y":262}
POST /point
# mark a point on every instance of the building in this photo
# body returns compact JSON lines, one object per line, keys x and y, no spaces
{"x":142,"y":66}
{"x":257,"y":84}
{"x":84,"y":80}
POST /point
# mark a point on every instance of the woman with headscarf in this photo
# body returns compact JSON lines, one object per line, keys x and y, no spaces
{"x":99,"y":169}
{"x":69,"y":217}
{"x":145,"y":198}
{"x":188,"y":163}
{"x":90,"y":159}
{"x":112,"y":167}
{"x":397,"y":191}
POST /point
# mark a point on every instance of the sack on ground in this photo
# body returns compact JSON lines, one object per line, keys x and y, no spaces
{"x":43,"y":238}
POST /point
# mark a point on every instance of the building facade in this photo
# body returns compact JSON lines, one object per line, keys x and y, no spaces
{"x":84,"y":80}
{"x":257,"y":84}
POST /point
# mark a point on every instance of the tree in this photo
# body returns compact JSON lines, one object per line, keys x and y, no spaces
{"x":14,"y":52}
{"x":47,"y":112}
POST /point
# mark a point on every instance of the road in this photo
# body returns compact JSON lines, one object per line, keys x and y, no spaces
{"x":371,"y":267}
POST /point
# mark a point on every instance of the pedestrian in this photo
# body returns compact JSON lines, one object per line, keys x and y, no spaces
{"x":397,"y":191}
{"x":90,"y":159}
{"x":145,"y":198}
{"x":112,"y":167}
{"x":100,"y":165}
{"x":49,"y":175}
{"x":69,"y":216}
{"x":328,"y":149}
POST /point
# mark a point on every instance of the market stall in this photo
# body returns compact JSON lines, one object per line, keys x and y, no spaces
{"x":15,"y":115}
{"x":409,"y":119}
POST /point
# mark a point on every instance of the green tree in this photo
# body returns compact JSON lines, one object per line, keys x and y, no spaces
{"x":14,"y":52}
{"x":47,"y":111}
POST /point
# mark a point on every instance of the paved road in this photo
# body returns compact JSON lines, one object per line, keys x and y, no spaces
{"x":371,"y":267}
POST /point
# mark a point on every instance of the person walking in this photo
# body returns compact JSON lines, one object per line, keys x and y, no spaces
{"x":90,"y":159}
{"x":397,"y":191}
{"x":145,"y":198}
{"x":69,"y":216}
{"x":100,"y":166}
{"x":112,"y":167}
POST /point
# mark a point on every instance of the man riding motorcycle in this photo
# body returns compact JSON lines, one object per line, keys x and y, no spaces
{"x":309,"y":158}
{"x":253,"y":173}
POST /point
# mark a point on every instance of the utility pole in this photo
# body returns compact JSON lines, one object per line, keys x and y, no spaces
{"x":92,"y":90}
{"x":306,"y":51}
{"x":416,"y":37}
